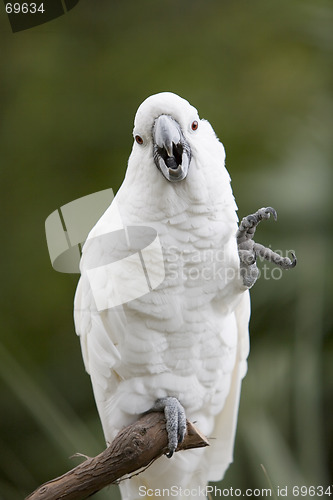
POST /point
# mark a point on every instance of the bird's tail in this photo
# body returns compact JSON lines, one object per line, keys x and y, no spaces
{"x":183,"y":477}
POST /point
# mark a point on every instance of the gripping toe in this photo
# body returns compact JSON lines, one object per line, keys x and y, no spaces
{"x":175,"y":421}
{"x":248,"y":250}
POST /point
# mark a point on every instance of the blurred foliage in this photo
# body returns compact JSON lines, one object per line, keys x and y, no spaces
{"x":261,"y":72}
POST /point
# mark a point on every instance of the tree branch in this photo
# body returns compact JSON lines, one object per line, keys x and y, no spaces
{"x":133,"y":448}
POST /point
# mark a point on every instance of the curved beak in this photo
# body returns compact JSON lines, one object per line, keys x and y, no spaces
{"x":172,"y":154}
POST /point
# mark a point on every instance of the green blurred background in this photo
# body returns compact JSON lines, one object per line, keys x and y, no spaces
{"x":261,"y":73}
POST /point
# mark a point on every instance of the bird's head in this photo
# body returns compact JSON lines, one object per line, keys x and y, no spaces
{"x":163,"y":128}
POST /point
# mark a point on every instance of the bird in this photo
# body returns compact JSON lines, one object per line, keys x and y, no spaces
{"x":182,"y":345}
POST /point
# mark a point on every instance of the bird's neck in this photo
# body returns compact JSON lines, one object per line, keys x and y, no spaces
{"x":198,"y":194}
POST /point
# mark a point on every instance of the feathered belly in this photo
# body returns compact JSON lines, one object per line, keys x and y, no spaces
{"x":181,"y":338}
{"x":178,"y":340}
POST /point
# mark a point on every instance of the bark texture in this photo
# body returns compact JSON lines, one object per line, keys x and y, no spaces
{"x":134,"y":447}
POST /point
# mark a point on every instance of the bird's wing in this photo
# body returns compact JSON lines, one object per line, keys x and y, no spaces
{"x":99,"y":330}
{"x":221,"y":449}
{"x":97,"y":335}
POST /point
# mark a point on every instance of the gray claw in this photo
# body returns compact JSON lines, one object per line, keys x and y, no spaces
{"x":271,"y":210}
{"x":175,"y":421}
{"x":248,"y":225}
{"x":248,"y":250}
{"x":294,"y":261}
{"x":268,"y":254}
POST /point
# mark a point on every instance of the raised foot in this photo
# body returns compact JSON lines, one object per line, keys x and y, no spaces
{"x":248,"y":250}
{"x":175,"y":421}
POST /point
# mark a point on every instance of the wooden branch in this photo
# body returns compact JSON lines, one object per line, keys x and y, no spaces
{"x":134,"y":447}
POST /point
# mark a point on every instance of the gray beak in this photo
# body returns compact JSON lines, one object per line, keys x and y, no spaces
{"x":172,"y":154}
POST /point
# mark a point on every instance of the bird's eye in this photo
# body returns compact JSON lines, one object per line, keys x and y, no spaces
{"x":194,"y":125}
{"x":139,"y":139}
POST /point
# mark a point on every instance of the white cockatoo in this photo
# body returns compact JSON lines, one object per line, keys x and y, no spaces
{"x":181,"y":345}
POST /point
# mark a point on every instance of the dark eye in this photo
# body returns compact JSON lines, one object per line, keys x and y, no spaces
{"x":194,"y":125}
{"x":139,"y":139}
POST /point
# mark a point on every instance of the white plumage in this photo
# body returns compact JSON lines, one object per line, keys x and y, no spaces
{"x":187,"y":338}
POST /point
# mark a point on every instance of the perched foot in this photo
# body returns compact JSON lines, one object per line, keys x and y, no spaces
{"x":248,"y":250}
{"x":175,"y":421}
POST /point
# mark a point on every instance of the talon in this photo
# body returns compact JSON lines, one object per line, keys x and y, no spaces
{"x":288,"y":263}
{"x":175,"y":421}
{"x":248,"y":250}
{"x":268,"y":254}
{"x":294,"y":260}
{"x":271,"y":210}
{"x":249,"y":224}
